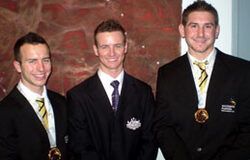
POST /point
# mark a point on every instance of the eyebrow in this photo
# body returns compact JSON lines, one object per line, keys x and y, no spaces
{"x":49,"y":57}
{"x":209,"y":23}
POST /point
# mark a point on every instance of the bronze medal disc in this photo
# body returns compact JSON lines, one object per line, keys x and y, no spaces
{"x":54,"y":154}
{"x":201,"y":115}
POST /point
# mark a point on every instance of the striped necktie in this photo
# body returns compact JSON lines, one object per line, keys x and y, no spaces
{"x":42,"y":112}
{"x":203,"y":77}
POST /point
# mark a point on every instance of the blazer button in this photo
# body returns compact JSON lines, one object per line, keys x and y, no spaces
{"x":199,"y":149}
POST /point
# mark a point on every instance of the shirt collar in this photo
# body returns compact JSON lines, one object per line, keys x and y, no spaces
{"x":29,"y":94}
{"x":104,"y":77}
{"x":210,"y":58}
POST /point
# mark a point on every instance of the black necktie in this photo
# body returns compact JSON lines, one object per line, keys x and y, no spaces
{"x":115,"y":95}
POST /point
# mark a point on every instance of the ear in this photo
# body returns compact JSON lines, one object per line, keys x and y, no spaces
{"x":95,"y":50}
{"x":217,"y":32}
{"x":126,"y":47}
{"x":17,"y":66}
{"x":181,"y":31}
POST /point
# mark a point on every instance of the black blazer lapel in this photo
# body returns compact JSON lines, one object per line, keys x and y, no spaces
{"x":29,"y":112}
{"x":98,"y":95}
{"x":127,"y":93}
{"x":58,"y":116}
{"x":188,"y":86}
{"x":218,"y":77}
{"x":58,"y":104}
{"x":101,"y":107}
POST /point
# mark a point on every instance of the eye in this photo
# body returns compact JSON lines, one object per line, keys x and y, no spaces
{"x":119,"y":46}
{"x":193,"y":25}
{"x":209,"y":26}
{"x":31,"y":61}
{"x":47,"y":60}
{"x":103,"y":47}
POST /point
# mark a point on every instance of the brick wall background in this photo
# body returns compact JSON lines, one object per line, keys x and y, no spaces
{"x":68,"y":25}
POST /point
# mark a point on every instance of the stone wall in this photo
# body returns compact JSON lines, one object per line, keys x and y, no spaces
{"x":68,"y":25}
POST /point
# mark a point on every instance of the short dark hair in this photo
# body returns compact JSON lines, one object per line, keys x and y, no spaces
{"x":109,"y":25}
{"x":30,"y":38}
{"x":199,"y":6}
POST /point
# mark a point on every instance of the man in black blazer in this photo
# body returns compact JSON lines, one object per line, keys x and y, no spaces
{"x":100,"y":126}
{"x":203,"y":110}
{"x":32,"y":130}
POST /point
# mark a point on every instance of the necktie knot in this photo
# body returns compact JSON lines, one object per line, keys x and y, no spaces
{"x":40,"y":102}
{"x":115,"y":84}
{"x":201,"y":65}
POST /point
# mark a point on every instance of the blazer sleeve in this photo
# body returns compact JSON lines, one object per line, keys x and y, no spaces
{"x":240,"y":149}
{"x":80,"y":142}
{"x":171,"y":145}
{"x":148,"y":148}
{"x":8,"y":137}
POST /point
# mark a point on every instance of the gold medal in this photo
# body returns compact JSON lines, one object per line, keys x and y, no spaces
{"x":201,"y":115}
{"x":54,"y":154}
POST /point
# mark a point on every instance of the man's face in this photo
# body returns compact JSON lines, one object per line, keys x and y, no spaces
{"x":34,"y":66}
{"x":200,"y":32}
{"x":111,"y":51}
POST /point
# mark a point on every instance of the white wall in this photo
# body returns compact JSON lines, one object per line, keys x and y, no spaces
{"x":241,"y":34}
{"x":224,"y":42}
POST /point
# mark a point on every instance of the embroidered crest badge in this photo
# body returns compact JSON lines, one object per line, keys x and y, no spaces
{"x":133,"y":124}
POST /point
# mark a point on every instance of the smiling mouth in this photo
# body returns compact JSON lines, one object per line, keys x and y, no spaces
{"x":200,"y":40}
{"x":40,"y":76}
{"x":112,"y":59}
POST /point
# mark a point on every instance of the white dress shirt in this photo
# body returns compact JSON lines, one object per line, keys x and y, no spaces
{"x":197,"y":73}
{"x":107,"y":79}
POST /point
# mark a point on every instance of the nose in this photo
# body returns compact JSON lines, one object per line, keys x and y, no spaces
{"x":201,"y":31}
{"x":111,"y":50}
{"x":40,"y":66}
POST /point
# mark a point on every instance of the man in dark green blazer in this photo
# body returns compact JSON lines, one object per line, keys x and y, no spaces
{"x":102,"y":127}
{"x":32,"y":130}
